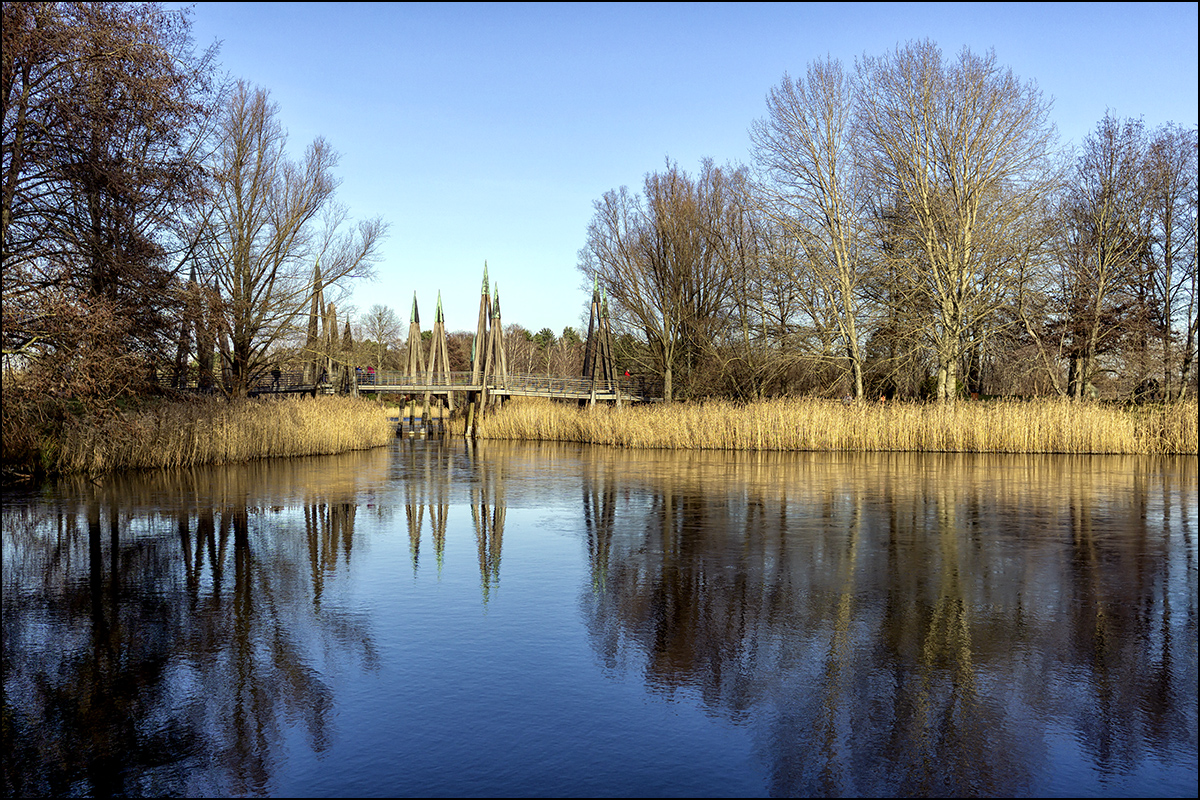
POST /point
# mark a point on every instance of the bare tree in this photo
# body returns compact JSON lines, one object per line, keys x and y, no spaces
{"x":567,"y":356}
{"x":757,"y":348}
{"x":1037,"y":277}
{"x":272,"y":218}
{"x":1170,"y":175}
{"x":380,"y":326}
{"x":1103,"y":246}
{"x":965,"y":149}
{"x":522,"y":349}
{"x":105,"y":115}
{"x":665,"y":264}
{"x":808,"y":147}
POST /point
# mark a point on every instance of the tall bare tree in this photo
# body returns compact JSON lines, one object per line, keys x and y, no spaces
{"x":966,"y":150}
{"x":105,"y":114}
{"x":807,"y":146}
{"x":271,"y":219}
{"x":665,"y":264}
{"x":1103,"y":246}
{"x":1170,"y":180}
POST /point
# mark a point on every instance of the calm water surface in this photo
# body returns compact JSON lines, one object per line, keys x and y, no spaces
{"x":435,"y":619}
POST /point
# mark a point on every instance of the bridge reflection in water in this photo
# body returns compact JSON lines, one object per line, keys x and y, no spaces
{"x":669,"y":623}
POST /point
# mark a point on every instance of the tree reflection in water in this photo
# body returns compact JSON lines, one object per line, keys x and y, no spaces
{"x":904,"y":624}
{"x":163,"y":644}
{"x":874,"y":625}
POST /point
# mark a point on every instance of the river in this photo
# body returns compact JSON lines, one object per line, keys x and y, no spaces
{"x":436,"y":618}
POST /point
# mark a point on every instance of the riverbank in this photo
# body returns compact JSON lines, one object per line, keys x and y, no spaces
{"x":198,"y":432}
{"x":1003,"y":426}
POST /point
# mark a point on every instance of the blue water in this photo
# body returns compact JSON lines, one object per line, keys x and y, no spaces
{"x":439,"y":619}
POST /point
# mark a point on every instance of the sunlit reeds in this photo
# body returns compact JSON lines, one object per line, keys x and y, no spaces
{"x":218,"y":432}
{"x":1040,"y":426}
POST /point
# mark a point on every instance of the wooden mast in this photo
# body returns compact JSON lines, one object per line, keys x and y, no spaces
{"x":332,"y":345}
{"x":610,"y":362}
{"x":477,"y":356}
{"x":350,"y":381}
{"x":439,"y":357}
{"x":316,"y":311}
{"x":415,"y":365}
{"x":496,"y":362}
{"x":597,"y":351}
{"x":589,"y":345}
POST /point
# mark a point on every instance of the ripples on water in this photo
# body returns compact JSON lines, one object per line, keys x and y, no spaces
{"x":436,"y":619}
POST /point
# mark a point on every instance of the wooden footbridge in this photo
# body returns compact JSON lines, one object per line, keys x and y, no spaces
{"x":513,"y":385}
{"x":427,"y":373}
{"x":623,"y":389}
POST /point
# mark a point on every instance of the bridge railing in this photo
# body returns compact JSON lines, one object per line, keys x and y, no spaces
{"x":547,"y":385}
{"x":217,"y":380}
{"x":288,"y":380}
{"x":397,"y":380}
{"x":556,"y":386}
{"x":389,"y":377}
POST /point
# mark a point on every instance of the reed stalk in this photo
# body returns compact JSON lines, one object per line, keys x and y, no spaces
{"x":1005,"y":426}
{"x":219,"y":432}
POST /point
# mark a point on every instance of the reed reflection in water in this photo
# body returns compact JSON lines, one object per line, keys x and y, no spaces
{"x":606,"y":622}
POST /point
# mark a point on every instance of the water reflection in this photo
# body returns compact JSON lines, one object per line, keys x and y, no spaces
{"x":906,"y":624}
{"x":435,"y":475}
{"x":152,"y":639}
{"x":862,"y":625}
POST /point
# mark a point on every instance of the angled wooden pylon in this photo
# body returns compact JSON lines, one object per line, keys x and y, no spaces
{"x":597,"y":353}
{"x":439,"y":355}
{"x":415,"y":363}
{"x":184,"y":349}
{"x":479,"y":344}
{"x":477,"y":356}
{"x":495,"y":368}
{"x":315,"y":313}
{"x":608,"y":365}
{"x":610,"y":362}
{"x":589,"y":344}
{"x":350,"y":380}
{"x":332,"y":346}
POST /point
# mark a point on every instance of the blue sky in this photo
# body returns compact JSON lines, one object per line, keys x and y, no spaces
{"x":485,"y":132}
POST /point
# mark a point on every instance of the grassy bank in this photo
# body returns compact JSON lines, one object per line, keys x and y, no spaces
{"x":1044,"y":426}
{"x":218,"y":432}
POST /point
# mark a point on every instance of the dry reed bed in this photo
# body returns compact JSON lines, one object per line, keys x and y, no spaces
{"x":1042,"y":426}
{"x":219,"y":432}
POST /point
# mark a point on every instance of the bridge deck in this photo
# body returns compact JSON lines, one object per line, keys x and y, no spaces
{"x":635,"y":390}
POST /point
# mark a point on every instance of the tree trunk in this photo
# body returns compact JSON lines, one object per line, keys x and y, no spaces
{"x":1077,"y":377}
{"x":855,"y":370}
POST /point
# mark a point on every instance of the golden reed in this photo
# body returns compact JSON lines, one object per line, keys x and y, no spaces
{"x":1040,"y":426}
{"x":219,"y":432}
